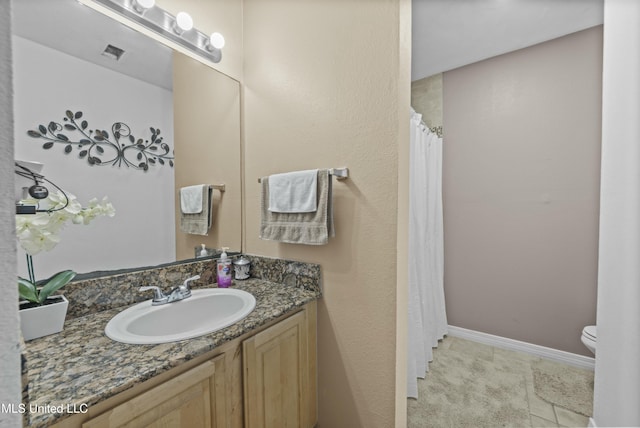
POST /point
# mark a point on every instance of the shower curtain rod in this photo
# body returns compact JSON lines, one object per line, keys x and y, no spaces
{"x":435,"y":129}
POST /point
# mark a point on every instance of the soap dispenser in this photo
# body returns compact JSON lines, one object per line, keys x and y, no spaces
{"x":203,"y":251}
{"x":224,"y":269}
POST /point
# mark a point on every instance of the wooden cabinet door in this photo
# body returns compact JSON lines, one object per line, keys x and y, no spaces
{"x":276,"y":381}
{"x":192,"y":399}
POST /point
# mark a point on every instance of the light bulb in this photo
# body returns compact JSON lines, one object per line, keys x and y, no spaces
{"x":142,"y":5}
{"x":146,"y":3}
{"x":216,"y":40}
{"x":184,"y":21}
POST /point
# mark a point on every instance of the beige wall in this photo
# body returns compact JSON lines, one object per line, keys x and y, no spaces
{"x":402,"y":244}
{"x":10,"y":385}
{"x":326,"y":84}
{"x":206,"y":107}
{"x":520,"y":186}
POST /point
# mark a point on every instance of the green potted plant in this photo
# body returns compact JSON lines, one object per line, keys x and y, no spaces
{"x":41,"y":312}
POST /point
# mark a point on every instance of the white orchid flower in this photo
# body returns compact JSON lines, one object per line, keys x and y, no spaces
{"x":40,"y":232}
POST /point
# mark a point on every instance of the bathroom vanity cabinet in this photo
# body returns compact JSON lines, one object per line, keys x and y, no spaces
{"x":265,"y":378}
{"x":279,"y":375}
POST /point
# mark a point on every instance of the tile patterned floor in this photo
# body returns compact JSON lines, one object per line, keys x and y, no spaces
{"x":531,"y":411}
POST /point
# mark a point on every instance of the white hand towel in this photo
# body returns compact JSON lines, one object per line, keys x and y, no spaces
{"x":191,"y":199}
{"x":294,"y":192}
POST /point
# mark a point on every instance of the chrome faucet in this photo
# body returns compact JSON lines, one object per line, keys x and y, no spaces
{"x":180,"y":292}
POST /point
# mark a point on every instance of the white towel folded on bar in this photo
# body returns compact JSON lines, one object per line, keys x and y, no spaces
{"x":191,"y":199}
{"x":293,"y":192}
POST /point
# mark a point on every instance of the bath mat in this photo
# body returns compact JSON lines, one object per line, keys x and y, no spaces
{"x":564,"y":386}
{"x":454,"y":395}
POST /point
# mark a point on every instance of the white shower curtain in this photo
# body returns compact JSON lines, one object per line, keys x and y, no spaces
{"x":427,"y":317}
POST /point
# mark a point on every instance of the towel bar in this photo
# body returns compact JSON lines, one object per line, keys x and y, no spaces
{"x":220,"y":187}
{"x":338,"y":173}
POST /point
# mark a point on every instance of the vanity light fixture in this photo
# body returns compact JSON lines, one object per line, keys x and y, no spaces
{"x":178,"y":29}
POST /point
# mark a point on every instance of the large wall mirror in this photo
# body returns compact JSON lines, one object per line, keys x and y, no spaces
{"x":62,"y":62}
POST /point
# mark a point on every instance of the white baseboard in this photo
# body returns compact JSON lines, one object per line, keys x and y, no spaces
{"x":592,"y":423}
{"x":516,"y":345}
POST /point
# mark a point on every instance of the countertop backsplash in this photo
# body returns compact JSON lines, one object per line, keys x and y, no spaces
{"x":99,"y":294}
{"x":299,"y":274}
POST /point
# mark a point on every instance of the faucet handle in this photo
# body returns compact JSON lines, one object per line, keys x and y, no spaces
{"x":158,"y":294}
{"x":186,"y":281}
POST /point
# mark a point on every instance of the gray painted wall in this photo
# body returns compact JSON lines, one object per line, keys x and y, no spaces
{"x":521,"y":191}
{"x":10,"y":385}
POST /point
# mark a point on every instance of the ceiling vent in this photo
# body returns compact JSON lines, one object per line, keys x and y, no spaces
{"x":113,"y":52}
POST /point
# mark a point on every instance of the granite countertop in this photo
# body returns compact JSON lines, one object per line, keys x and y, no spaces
{"x":81,"y":366}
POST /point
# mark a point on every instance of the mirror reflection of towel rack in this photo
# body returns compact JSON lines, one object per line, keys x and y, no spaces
{"x":338,"y":173}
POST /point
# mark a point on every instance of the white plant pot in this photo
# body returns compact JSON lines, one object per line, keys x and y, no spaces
{"x":43,"y":320}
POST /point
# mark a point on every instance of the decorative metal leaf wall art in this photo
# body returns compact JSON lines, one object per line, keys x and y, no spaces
{"x":100,"y":148}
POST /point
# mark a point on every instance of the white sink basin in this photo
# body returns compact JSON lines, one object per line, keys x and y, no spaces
{"x":204,"y":312}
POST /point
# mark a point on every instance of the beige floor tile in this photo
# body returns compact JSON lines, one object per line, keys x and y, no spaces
{"x":514,"y":355}
{"x":567,"y":418}
{"x":513,"y":362}
{"x":537,"y":422}
{"x":445,"y":342}
{"x":474,"y":349}
{"x":539,"y":407}
{"x":565,"y":386}
{"x":468,"y":364}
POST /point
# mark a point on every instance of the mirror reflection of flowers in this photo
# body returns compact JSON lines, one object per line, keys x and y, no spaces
{"x":41,"y":232}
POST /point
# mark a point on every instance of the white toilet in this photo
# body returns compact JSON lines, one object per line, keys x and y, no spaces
{"x":589,"y":337}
